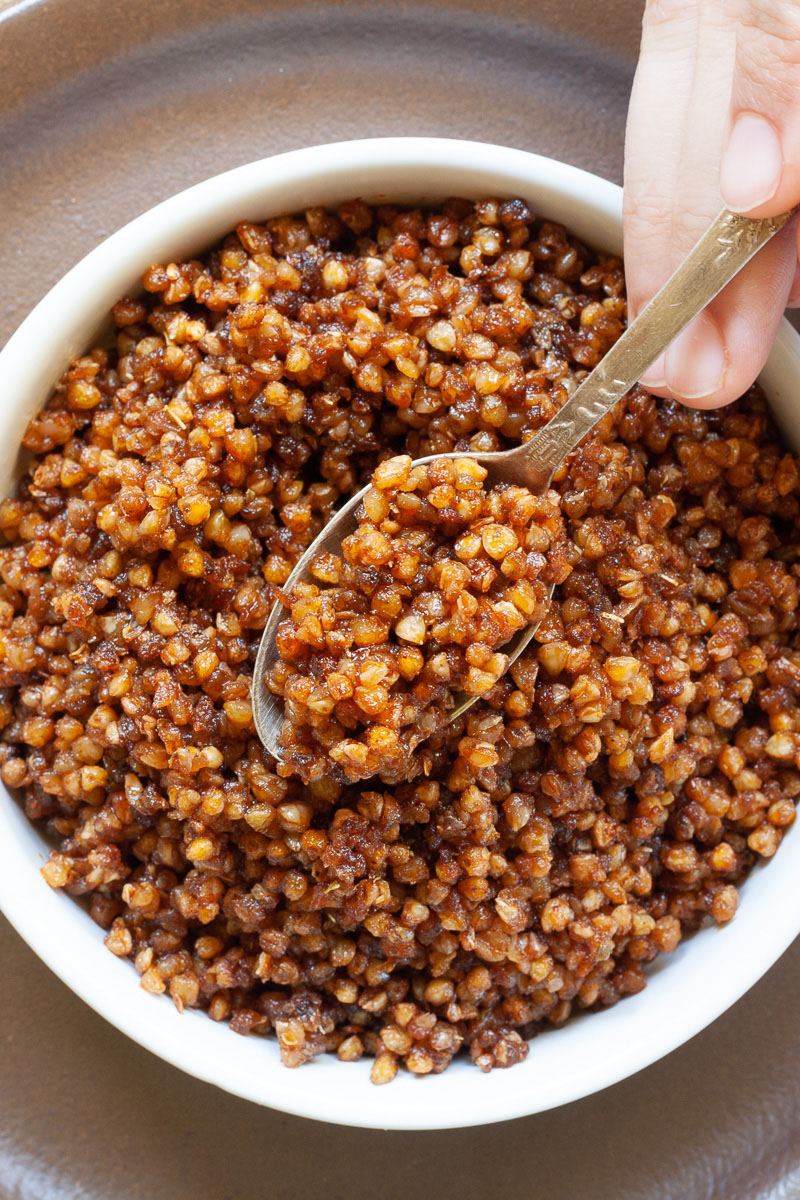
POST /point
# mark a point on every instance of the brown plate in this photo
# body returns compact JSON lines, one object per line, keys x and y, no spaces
{"x":105,"y":108}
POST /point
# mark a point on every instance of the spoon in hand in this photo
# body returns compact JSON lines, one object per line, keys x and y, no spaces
{"x":730,"y":241}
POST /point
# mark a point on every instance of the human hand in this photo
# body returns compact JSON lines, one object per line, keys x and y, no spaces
{"x":714,"y":120}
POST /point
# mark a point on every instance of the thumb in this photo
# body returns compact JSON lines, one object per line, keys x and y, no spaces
{"x":760,"y":169}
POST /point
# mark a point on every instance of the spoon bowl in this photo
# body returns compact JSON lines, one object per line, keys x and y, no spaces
{"x":505,"y":466}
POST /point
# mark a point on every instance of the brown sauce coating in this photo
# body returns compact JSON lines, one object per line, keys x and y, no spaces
{"x":604,"y":797}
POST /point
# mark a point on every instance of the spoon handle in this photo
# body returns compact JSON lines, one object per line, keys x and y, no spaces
{"x":729,"y":242}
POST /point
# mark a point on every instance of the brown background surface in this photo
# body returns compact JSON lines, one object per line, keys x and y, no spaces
{"x":105,"y":108}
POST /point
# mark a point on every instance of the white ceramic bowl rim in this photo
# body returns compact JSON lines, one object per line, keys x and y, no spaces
{"x":686,"y":990}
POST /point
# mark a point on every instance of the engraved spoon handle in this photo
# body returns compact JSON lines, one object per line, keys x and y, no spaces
{"x":729,"y":242}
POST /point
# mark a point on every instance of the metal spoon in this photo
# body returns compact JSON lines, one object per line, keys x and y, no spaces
{"x":730,"y":241}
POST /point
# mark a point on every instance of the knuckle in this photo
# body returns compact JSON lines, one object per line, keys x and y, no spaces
{"x":769,"y":33}
{"x":663,"y":12}
{"x":690,"y":220}
{"x":648,"y":210}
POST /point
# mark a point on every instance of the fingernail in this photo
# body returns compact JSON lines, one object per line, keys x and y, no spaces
{"x":654,"y":376}
{"x":752,"y":163}
{"x":695,"y":362}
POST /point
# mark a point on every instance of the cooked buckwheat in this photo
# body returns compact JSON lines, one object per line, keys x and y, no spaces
{"x":602,"y":798}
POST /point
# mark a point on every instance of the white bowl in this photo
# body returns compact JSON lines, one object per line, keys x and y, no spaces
{"x":686,"y":990}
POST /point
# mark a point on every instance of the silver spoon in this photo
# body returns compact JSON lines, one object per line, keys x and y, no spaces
{"x":729,"y":242}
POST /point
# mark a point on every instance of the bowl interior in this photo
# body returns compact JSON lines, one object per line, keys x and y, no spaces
{"x":686,"y":990}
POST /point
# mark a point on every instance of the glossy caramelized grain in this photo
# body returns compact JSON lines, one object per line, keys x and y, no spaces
{"x":599,"y":801}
